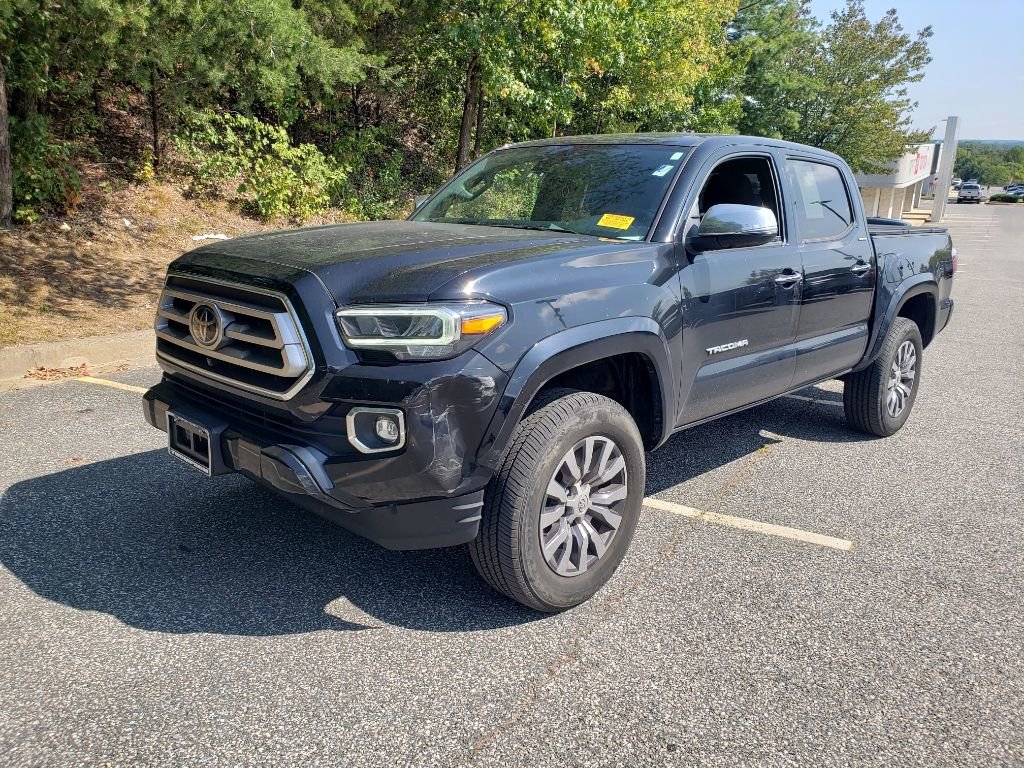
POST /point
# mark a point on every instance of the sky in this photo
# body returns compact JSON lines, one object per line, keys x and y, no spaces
{"x":977,"y":69}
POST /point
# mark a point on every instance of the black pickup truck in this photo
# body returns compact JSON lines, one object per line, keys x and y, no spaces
{"x":492,"y":371}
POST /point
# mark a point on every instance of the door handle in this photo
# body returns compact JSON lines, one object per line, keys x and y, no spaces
{"x":788,"y":279}
{"x":860,"y":269}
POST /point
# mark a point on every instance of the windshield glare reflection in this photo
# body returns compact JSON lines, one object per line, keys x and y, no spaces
{"x":600,"y":190}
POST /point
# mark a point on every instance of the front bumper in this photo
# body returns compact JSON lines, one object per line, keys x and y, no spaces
{"x":428,"y":494}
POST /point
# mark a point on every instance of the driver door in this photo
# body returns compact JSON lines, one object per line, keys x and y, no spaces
{"x":740,"y":305}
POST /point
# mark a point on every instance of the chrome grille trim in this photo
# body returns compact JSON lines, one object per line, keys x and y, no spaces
{"x":257,"y":338}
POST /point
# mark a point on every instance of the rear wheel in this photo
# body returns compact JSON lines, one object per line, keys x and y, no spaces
{"x":560,"y":514}
{"x":878,"y":400}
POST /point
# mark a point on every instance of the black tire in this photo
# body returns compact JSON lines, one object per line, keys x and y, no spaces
{"x":866,"y":393}
{"x":508,"y":553}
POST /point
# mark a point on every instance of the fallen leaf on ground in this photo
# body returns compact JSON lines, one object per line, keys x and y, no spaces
{"x":42,"y":373}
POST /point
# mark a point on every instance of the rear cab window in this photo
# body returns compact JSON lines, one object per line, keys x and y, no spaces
{"x":823,"y":209}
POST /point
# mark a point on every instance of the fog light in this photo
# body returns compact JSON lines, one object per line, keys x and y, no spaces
{"x":371,"y":430}
{"x":387,"y":429}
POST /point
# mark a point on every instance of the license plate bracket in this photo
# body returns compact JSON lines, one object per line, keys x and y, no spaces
{"x":190,"y":442}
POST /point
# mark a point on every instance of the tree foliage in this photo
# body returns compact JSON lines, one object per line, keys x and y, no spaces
{"x":841,"y":86}
{"x":366,"y":102}
{"x":769,"y":44}
{"x":271,"y":176}
{"x":854,"y":98}
{"x":990,"y":163}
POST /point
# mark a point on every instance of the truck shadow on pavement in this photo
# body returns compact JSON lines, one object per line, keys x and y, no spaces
{"x":701,"y":449}
{"x":161,"y":548}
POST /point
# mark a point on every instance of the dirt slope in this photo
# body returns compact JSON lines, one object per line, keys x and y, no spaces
{"x":104,"y":273}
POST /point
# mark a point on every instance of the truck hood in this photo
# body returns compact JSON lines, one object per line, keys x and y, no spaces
{"x":388,"y":260}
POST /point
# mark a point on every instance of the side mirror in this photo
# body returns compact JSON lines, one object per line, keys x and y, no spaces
{"x":418,"y":201}
{"x":735,"y":226}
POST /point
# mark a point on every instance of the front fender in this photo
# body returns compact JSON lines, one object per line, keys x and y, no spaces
{"x":572,"y":348}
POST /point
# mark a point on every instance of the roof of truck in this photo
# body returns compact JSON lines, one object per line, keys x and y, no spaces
{"x":673,"y":139}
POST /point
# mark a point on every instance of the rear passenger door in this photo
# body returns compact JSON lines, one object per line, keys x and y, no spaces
{"x":739,"y":304}
{"x":838,"y":265}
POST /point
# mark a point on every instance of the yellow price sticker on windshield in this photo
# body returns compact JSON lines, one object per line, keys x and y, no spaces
{"x":615,"y":221}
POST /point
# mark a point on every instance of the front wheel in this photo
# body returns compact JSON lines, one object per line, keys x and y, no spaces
{"x":560,"y":514}
{"x":878,"y":400}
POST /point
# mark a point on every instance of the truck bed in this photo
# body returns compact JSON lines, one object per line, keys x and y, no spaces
{"x":879,"y":226}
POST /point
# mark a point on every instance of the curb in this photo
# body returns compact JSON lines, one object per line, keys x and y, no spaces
{"x":94,"y":350}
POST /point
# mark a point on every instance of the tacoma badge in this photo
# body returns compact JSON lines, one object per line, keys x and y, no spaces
{"x":727,"y":347}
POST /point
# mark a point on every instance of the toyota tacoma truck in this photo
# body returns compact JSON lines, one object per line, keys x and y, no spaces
{"x":492,"y":371}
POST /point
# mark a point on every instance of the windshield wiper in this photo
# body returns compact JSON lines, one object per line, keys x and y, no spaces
{"x":551,"y":227}
{"x":559,"y":228}
{"x":538,"y":227}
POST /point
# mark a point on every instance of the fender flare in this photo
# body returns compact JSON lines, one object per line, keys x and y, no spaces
{"x":915,"y":286}
{"x":569,"y":349}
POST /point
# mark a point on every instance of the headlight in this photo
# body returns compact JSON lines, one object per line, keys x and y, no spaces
{"x":419,"y":331}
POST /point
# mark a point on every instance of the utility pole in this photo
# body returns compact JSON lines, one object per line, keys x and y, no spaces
{"x":945,"y":174}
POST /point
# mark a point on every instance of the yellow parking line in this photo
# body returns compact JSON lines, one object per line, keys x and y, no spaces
{"x":750,"y":525}
{"x":112,"y":384}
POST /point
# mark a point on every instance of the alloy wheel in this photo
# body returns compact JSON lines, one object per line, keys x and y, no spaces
{"x":901,"y":378}
{"x":583,"y":506}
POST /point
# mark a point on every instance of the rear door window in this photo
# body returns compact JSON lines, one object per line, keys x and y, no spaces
{"x":823,"y":202}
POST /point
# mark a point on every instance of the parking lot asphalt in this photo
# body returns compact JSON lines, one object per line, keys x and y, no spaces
{"x":152,"y":616}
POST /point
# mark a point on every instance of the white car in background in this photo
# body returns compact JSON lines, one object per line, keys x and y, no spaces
{"x":969,"y":192}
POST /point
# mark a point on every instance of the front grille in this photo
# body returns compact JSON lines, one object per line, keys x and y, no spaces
{"x":326,"y":432}
{"x":252,"y":337}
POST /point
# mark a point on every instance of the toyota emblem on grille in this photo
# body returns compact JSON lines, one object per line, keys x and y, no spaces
{"x":204,"y":324}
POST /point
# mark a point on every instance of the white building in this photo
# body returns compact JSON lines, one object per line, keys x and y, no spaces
{"x":891,"y":195}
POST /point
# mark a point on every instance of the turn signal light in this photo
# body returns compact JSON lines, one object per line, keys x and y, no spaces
{"x":475,"y":326}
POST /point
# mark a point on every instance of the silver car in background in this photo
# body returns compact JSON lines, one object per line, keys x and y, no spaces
{"x":969,"y":193}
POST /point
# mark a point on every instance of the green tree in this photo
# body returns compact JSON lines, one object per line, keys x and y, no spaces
{"x":268,"y":57}
{"x":6,"y":179}
{"x":492,"y":46}
{"x":645,"y":62}
{"x":559,"y":66}
{"x":250,"y":56}
{"x":989,"y":163}
{"x":854,"y":98}
{"x":50,"y":56}
{"x":396,"y":94}
{"x":767,"y":41}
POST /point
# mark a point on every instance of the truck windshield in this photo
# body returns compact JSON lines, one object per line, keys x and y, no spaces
{"x":605,"y":190}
